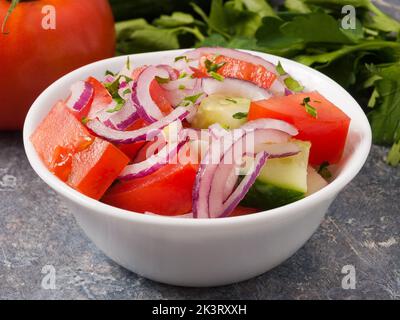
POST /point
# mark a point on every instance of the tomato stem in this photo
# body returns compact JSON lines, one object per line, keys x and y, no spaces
{"x":9,"y":11}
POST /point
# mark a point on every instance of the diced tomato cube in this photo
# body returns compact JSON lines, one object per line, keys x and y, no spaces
{"x":327,"y":131}
{"x":66,"y":147}
{"x":101,"y":97}
{"x":239,"y":69}
{"x":167,"y":191}
{"x":60,"y":129}
{"x":94,"y":169}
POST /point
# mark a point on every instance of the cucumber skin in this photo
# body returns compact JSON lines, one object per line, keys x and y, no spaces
{"x":261,"y":194}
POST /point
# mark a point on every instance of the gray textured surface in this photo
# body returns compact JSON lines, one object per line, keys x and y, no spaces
{"x":361,"y":229}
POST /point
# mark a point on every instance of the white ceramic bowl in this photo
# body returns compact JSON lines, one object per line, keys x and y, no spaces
{"x":190,"y":252}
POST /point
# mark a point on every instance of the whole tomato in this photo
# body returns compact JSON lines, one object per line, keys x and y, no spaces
{"x":43,"y":40}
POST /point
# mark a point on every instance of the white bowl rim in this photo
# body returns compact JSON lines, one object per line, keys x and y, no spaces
{"x":348,"y":172}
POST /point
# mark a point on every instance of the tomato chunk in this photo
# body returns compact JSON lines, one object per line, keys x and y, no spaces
{"x":60,"y":130}
{"x":168,"y":191}
{"x":94,"y":169}
{"x":241,"y":211}
{"x":239,"y":69}
{"x":327,"y":131}
{"x":101,"y":97}
{"x":66,"y":147}
{"x":158,"y":95}
{"x":132,"y":149}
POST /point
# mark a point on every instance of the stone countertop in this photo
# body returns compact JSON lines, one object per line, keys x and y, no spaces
{"x":361,"y":229}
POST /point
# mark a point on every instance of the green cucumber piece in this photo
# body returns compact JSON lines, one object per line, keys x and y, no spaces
{"x":229,"y":112}
{"x":281,"y":181}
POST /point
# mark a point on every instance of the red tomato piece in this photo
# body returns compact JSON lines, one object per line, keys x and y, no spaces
{"x":94,"y":169}
{"x":101,"y":97}
{"x":60,"y":130}
{"x":168,"y":191}
{"x":239,"y":69}
{"x":157,"y":93}
{"x":327,"y":132}
{"x":132,"y":149}
{"x":66,"y":147}
{"x":241,"y":211}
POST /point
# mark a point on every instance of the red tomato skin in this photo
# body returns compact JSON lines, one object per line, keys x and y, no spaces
{"x":234,"y":68}
{"x":94,"y":169}
{"x":132,"y":149}
{"x":158,"y":95}
{"x":327,"y":133}
{"x":86,"y":163}
{"x":168,"y":191}
{"x":60,"y":128}
{"x":101,"y":97}
{"x":35,"y":57}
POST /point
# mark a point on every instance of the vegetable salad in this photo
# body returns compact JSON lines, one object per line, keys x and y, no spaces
{"x":213,"y":133}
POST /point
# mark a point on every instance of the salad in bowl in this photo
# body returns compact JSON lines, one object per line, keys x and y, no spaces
{"x":211,"y":133}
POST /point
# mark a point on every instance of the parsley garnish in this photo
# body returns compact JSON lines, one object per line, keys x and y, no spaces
{"x":85,"y":120}
{"x":293,"y":84}
{"x":181,"y":87}
{"x":239,"y":115}
{"x":324,"y":171}
{"x":280,"y":69}
{"x":119,"y":104}
{"x":109,"y":73}
{"x":161,"y":80}
{"x":182,"y":75}
{"x":193,"y":98}
{"x":126,"y":91}
{"x":180,"y":58}
{"x":128,"y":63}
{"x":213,"y":67}
{"x":309,"y":108}
{"x":231,"y":100}
{"x":216,"y":76}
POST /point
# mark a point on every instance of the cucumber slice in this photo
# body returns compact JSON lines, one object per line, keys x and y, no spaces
{"x":314,"y":181}
{"x":229,"y":112}
{"x":281,"y":181}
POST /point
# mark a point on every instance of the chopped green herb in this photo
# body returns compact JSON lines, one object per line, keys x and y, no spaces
{"x":216,"y":76}
{"x":161,"y":80}
{"x":231,"y":100}
{"x":193,"y":98}
{"x":127,"y":91}
{"x":180,"y":58}
{"x":239,"y":115}
{"x":293,"y":84}
{"x":181,"y":87}
{"x":309,"y":108}
{"x":182,"y":75}
{"x":85,"y":120}
{"x":109,"y":73}
{"x":324,"y":171}
{"x":119,"y":104}
{"x":128,"y":63}
{"x":280,"y":69}
{"x":213,"y":67}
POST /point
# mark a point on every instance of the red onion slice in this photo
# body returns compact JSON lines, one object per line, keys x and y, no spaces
{"x":267,"y":123}
{"x":196,"y":54}
{"x":81,"y":94}
{"x":235,"y":88}
{"x":173,"y":73}
{"x":265,"y":130}
{"x":141,"y":134}
{"x":234,"y":199}
{"x":141,"y":98}
{"x":151,"y":164}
